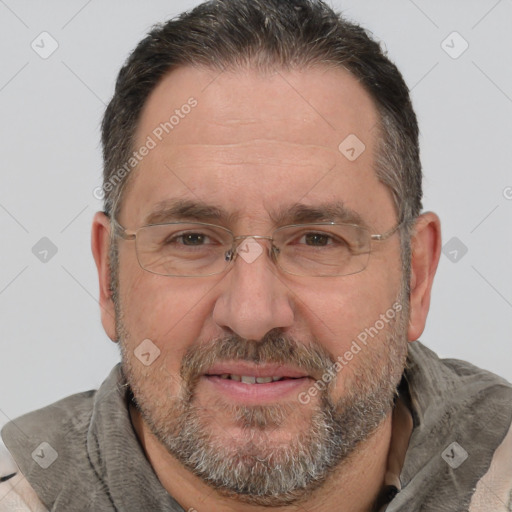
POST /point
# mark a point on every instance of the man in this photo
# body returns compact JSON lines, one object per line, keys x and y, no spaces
{"x":266,"y":269}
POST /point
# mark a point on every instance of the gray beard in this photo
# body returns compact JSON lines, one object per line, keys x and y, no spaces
{"x":259,"y":471}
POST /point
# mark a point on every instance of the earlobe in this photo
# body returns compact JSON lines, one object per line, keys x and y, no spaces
{"x":426,"y":250}
{"x":100,"y":245}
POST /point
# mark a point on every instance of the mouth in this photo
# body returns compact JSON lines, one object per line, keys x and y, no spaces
{"x":252,"y":379}
{"x":256,"y":384}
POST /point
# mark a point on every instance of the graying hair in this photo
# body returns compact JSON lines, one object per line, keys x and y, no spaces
{"x":267,"y":35}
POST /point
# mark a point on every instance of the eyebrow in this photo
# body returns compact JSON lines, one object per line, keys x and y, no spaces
{"x":171,"y":210}
{"x":175,"y":210}
{"x":334,"y":211}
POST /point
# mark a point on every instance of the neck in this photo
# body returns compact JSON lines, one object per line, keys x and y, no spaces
{"x":352,"y":487}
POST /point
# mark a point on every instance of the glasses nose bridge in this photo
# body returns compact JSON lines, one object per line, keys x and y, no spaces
{"x":232,"y":254}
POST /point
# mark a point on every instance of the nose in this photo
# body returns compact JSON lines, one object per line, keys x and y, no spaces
{"x":253,"y":299}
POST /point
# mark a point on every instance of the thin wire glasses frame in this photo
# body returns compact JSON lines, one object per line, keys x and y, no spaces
{"x":230,"y":249}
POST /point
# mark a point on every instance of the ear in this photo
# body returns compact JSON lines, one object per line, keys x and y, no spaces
{"x":100,"y":244}
{"x":426,"y":250}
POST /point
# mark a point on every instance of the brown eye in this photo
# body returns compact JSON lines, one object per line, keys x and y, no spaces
{"x":193,"y":239}
{"x":317,"y":239}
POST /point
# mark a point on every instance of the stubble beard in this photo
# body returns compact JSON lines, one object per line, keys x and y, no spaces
{"x":255,"y":468}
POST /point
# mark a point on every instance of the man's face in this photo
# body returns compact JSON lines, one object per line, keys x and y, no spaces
{"x":257,"y":147}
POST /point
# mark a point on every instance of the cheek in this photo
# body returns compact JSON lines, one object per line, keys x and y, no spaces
{"x":168,"y":311}
{"x":343,"y":308}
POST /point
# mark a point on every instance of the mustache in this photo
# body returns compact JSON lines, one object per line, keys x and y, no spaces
{"x":274,"y":347}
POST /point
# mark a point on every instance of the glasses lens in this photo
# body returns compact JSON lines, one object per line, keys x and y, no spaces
{"x":323,"y":249}
{"x":183,"y":249}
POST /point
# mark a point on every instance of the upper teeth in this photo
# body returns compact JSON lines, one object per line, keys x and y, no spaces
{"x":249,"y":379}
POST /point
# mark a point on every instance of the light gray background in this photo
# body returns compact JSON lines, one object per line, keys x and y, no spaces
{"x":51,"y":340}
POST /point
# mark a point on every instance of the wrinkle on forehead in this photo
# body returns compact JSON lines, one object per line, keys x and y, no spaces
{"x":302,"y":105}
{"x":255,"y":142}
{"x":288,"y":122}
{"x":252,"y":152}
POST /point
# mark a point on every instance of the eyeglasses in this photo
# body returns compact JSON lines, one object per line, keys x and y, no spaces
{"x":197,"y":249}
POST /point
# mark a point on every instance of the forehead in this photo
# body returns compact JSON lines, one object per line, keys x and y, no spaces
{"x":250,"y":139}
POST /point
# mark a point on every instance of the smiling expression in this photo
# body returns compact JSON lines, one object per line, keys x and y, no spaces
{"x":236,"y":349}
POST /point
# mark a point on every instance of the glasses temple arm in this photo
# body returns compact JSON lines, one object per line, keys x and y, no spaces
{"x":387,"y":234}
{"x":118,"y":230}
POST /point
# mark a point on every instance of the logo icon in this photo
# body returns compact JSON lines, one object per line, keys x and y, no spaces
{"x":249,"y":250}
{"x":454,"y":455}
{"x":147,"y":352}
{"x":44,"y":250}
{"x":454,"y":45}
{"x":44,"y":45}
{"x":352,"y":147}
{"x":45,"y":455}
{"x":454,"y":249}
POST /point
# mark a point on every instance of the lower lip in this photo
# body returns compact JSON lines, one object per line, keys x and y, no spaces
{"x":257,"y":393}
